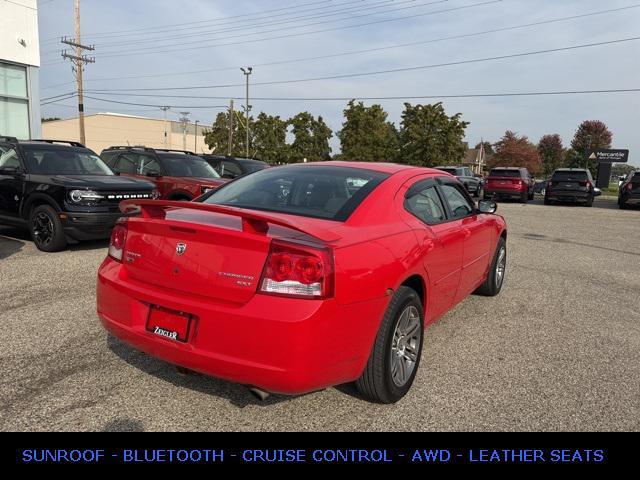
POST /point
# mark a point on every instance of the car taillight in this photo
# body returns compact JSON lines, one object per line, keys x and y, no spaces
{"x":118,"y":239}
{"x":629,"y":186}
{"x":298,"y":271}
{"x":549,"y":184}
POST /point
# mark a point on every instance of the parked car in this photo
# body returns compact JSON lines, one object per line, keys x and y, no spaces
{"x":61,"y":191}
{"x":233,"y":167}
{"x":574,"y":185}
{"x":473,"y":183}
{"x":177,"y":174}
{"x":509,"y":182}
{"x":629,"y":190}
{"x":292,"y":279}
{"x":540,"y":187}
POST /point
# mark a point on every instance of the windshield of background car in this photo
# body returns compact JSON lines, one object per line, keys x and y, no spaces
{"x":569,"y":176}
{"x":41,"y":160}
{"x":515,"y":173}
{"x":326,"y":192}
{"x":452,"y":171}
{"x":187,"y":166}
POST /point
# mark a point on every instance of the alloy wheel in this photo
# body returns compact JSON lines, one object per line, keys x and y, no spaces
{"x":501,"y":266}
{"x":405,"y":345}
{"x":42,"y":228}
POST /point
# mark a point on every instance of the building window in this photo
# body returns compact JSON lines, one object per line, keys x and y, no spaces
{"x":14,"y":101}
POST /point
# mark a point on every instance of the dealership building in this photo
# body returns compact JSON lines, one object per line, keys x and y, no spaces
{"x":108,"y":129}
{"x":19,"y":64}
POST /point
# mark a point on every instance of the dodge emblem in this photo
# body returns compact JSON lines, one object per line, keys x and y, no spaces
{"x":181,"y":248}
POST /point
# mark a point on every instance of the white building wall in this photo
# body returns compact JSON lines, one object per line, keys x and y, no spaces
{"x":19,"y":45}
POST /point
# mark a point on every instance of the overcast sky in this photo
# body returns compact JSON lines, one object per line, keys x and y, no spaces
{"x":126,"y":33}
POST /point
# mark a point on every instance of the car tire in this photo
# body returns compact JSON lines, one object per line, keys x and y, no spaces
{"x":390,"y":370}
{"x":547,"y":201}
{"x":531,"y":195}
{"x":480,"y":193}
{"x":524,"y":198}
{"x":495,"y":278}
{"x":589,"y":203}
{"x":46,"y":229}
{"x":622,"y":205}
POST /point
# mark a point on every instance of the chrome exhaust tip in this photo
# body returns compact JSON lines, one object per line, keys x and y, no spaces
{"x":259,"y":394}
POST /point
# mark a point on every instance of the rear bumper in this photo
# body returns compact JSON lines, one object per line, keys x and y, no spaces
{"x":280,"y":345}
{"x":631,"y":199}
{"x":568,"y":196}
{"x":89,"y":226}
{"x":504,"y":193}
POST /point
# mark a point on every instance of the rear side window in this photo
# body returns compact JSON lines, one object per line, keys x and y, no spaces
{"x":8,"y":158}
{"x":636,"y":178}
{"x":512,"y":173}
{"x":326,"y":192}
{"x":569,"y":176}
{"x":426,"y":205}
{"x":451,"y":171}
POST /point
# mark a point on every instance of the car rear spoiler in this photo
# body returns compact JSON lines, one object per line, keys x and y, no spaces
{"x":252,"y":221}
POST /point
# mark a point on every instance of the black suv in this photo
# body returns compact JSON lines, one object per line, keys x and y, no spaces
{"x":234,"y":167}
{"x":474,"y":184}
{"x":629,"y":190}
{"x":61,"y":191}
{"x":573,"y":185}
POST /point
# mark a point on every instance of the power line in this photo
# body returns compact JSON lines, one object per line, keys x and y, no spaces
{"x":375,"y":6}
{"x":154,"y":105}
{"x":410,"y":97}
{"x":377,"y":72}
{"x":164,"y":27}
{"x":369,"y":50}
{"x":199,"y":45}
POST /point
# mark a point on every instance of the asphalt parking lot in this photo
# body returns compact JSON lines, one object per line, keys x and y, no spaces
{"x":559,"y":349}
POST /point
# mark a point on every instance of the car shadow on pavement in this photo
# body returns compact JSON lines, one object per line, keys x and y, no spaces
{"x":236,"y":394}
{"x":88,"y":245}
{"x":11,"y":241}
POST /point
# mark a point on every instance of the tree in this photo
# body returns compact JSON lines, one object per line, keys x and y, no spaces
{"x":217,"y":138}
{"x":311,"y":138}
{"x":270,"y":139}
{"x":591,"y":135}
{"x":49,"y":119}
{"x":366,"y":134}
{"x":428,"y":136}
{"x":551,"y":153}
{"x":516,"y":151}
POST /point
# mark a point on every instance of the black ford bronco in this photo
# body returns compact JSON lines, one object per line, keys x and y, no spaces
{"x":61,"y":191}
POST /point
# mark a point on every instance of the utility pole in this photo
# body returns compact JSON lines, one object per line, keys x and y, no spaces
{"x":184,"y":120}
{"x":231,"y":115}
{"x":195,"y":147}
{"x":164,"y":109}
{"x":247,"y":107}
{"x":80,"y":59}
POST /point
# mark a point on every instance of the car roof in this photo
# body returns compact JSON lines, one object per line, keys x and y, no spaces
{"x":449,"y":166}
{"x":53,"y":146}
{"x":508,"y":168}
{"x":383,"y":167}
{"x":571,"y":170}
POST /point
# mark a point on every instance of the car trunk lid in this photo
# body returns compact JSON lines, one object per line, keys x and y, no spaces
{"x":208,"y":250}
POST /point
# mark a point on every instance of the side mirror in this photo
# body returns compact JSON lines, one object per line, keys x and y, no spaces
{"x":597,"y":192}
{"x":487,"y":206}
{"x":11,"y":171}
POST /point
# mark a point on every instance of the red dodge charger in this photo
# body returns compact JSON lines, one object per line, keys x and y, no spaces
{"x":300,"y":277}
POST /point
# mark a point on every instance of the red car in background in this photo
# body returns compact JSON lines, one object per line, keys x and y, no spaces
{"x":177,"y":174}
{"x":300,"y":277}
{"x":510,"y":182}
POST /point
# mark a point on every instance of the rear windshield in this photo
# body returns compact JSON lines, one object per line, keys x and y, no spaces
{"x":187,"y":166}
{"x":635,"y":178}
{"x":64,"y":161}
{"x":310,"y":191}
{"x":514,"y":173}
{"x":569,"y":176}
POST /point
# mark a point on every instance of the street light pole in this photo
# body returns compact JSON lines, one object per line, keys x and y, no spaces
{"x":247,"y":107}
